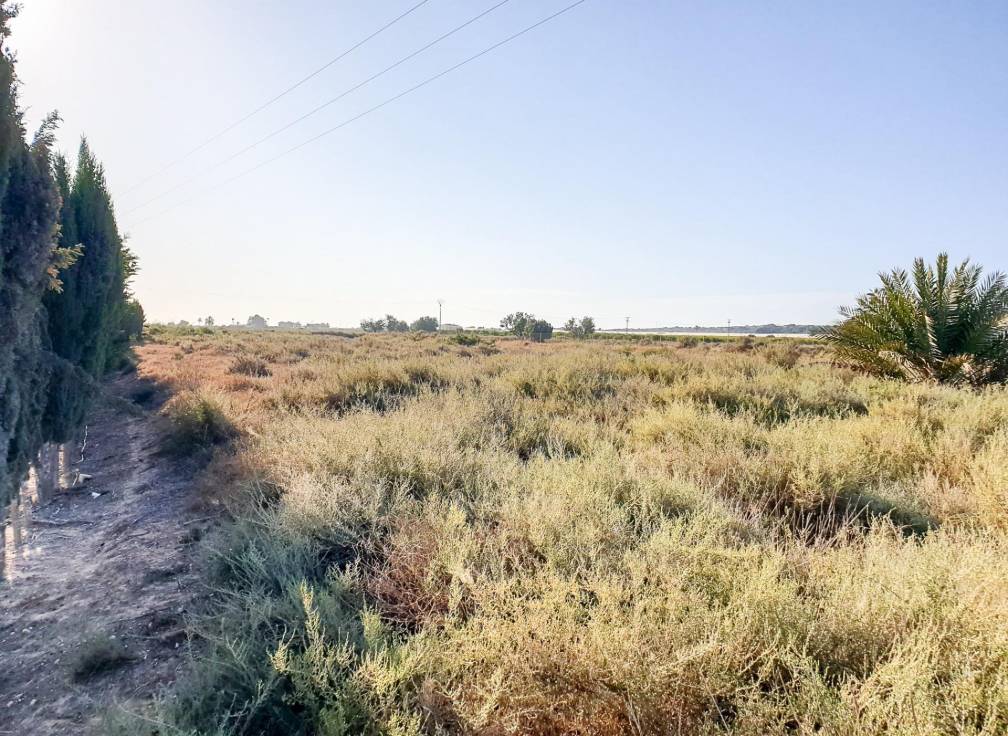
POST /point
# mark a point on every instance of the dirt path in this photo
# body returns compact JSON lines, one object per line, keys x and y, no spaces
{"x":115,"y":569}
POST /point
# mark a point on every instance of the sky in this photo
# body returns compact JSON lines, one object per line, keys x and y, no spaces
{"x":674,"y":163}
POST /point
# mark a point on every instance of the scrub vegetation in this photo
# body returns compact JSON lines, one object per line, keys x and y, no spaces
{"x":604,"y":537}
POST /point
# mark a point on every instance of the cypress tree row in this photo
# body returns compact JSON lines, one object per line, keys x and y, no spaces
{"x":65,"y":311}
{"x":29,"y":207}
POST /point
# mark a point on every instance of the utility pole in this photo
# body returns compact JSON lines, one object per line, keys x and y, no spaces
{"x":628,"y":325}
{"x":440,"y":302}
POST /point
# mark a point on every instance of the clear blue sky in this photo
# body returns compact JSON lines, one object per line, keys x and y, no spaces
{"x":679,"y":163}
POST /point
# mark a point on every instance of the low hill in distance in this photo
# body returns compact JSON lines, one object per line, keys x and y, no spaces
{"x":768,"y":329}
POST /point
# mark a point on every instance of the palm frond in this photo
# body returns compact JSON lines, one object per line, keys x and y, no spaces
{"x":929,"y":326}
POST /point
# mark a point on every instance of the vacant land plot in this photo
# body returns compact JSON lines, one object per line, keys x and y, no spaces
{"x":593,"y":538}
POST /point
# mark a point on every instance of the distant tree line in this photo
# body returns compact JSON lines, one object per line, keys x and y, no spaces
{"x":66,"y":312}
{"x":767,"y":329}
{"x":392,"y":324}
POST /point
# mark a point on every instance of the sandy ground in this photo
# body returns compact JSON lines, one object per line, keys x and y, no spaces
{"x":119,"y":565}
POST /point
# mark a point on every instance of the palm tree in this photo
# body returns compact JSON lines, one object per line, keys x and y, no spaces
{"x":929,"y":326}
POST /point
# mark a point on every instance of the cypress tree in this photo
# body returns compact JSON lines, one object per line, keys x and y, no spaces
{"x":86,"y":317}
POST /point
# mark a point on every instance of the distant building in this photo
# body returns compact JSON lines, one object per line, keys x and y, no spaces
{"x":448,"y":327}
{"x":317,"y":326}
{"x":289,"y":325}
{"x":256,"y":322}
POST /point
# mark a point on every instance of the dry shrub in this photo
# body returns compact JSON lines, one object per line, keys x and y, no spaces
{"x":782,"y":354}
{"x":248,"y":365}
{"x":97,"y":654}
{"x":377,"y":385}
{"x":988,"y":481}
{"x":414,"y":581}
{"x":199,"y":421}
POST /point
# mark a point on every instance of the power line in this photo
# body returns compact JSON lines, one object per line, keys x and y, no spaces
{"x":275,"y":98}
{"x":321,"y":107}
{"x":370,"y":110}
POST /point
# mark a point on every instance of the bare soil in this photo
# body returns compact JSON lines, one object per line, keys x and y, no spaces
{"x":116,"y":567}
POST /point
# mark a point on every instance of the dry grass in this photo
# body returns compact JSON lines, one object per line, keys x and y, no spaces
{"x":604,"y":538}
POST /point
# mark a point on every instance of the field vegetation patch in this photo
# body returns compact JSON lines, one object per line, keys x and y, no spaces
{"x":599,"y":537}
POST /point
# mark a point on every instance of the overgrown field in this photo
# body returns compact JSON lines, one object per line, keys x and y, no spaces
{"x":601,"y":537}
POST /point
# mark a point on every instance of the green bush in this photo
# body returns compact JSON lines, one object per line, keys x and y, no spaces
{"x":580,"y":329}
{"x":465,"y":339}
